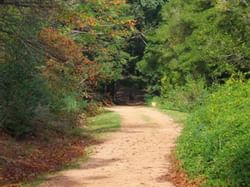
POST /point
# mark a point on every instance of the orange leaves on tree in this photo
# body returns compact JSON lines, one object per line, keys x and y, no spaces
{"x":59,"y":46}
{"x":68,"y":58}
{"x":131,"y":24}
{"x":79,"y":21}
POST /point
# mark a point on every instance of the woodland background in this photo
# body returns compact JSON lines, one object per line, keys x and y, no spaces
{"x":59,"y":59}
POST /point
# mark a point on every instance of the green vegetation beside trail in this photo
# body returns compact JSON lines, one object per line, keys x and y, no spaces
{"x":61,"y":61}
{"x":179,"y":117}
{"x":104,"y":123}
{"x":198,"y":44}
{"x":197,"y":61}
{"x":215,"y":143}
{"x":98,"y":127}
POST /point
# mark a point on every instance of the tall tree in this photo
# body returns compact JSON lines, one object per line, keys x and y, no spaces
{"x":198,"y":39}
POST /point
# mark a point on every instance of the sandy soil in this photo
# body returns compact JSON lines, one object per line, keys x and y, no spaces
{"x":135,"y":156}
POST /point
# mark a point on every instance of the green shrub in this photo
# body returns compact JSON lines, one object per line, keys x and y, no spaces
{"x":21,"y":92}
{"x":182,"y":98}
{"x":73,"y":105}
{"x":185,"y":98}
{"x":22,"y":89}
{"x":215,"y":143}
{"x":67,"y":109}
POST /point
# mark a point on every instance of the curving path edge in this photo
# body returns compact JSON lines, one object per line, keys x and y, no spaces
{"x":135,"y":156}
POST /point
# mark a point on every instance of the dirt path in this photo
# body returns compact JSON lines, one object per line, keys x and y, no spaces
{"x":133,"y":157}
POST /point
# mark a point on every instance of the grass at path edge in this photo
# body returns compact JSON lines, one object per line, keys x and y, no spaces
{"x":98,"y":127}
{"x":178,"y":117}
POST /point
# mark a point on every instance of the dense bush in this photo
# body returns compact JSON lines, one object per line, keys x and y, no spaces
{"x":198,"y":44}
{"x":22,"y":88}
{"x":20,"y":94}
{"x":184,"y":98}
{"x":215,"y":143}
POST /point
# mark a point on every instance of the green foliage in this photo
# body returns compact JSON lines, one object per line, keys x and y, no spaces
{"x":215,"y":141}
{"x":22,"y":89}
{"x":179,"y":117}
{"x":199,"y":44}
{"x":197,"y":39}
{"x":183,"y":98}
{"x":21,"y":92}
{"x":146,"y":12}
{"x":57,"y":56}
{"x":103,"y":123}
{"x":103,"y":29}
{"x":71,"y":104}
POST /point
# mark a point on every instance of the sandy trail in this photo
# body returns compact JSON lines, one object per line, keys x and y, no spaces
{"x":135,"y":156}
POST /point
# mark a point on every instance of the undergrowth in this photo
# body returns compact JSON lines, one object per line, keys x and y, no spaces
{"x":215,"y":141}
{"x":183,"y":98}
{"x":54,"y":147}
{"x":104,"y":123}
